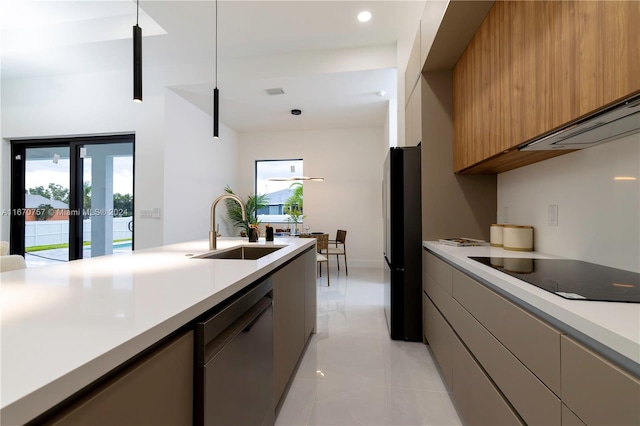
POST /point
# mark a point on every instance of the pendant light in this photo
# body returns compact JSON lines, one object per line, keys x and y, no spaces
{"x":137,"y":58}
{"x":216,"y":93}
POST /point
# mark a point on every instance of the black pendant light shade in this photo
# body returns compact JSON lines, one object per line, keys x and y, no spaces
{"x":137,"y":61}
{"x":216,"y":128}
{"x":216,"y":93}
{"x":137,"y":64}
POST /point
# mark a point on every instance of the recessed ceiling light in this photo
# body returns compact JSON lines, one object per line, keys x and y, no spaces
{"x":364,"y":16}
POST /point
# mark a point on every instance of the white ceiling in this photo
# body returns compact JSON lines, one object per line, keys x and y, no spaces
{"x":95,"y":35}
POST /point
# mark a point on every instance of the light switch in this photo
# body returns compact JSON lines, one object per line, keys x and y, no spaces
{"x":553,"y":215}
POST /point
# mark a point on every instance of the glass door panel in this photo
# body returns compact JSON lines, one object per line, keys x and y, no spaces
{"x":46,"y":210}
{"x":71,"y":198}
{"x":107,"y":198}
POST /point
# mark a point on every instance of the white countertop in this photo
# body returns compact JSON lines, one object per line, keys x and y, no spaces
{"x":66,"y":325}
{"x":611,"y":328}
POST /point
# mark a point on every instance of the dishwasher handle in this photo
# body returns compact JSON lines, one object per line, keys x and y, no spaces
{"x":241,"y":325}
{"x":263,"y":309}
{"x":209,"y":328}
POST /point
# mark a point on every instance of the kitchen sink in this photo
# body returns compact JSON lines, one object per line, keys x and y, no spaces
{"x":241,"y":253}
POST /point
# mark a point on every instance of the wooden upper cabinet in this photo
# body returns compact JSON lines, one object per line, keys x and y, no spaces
{"x":534,"y":66}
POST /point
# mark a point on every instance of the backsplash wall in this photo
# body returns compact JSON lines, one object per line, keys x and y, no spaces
{"x":598,"y":216}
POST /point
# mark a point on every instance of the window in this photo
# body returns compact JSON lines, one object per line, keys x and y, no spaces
{"x":74,"y":197}
{"x":277,"y":192}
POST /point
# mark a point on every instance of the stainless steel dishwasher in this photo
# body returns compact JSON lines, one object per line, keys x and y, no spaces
{"x":234,"y":362}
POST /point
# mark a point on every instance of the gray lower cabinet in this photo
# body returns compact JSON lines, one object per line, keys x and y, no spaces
{"x":310,"y":294}
{"x":480,"y":402}
{"x":440,"y":337}
{"x":507,"y":366}
{"x":569,"y":418}
{"x":157,"y":390}
{"x":597,"y":391}
{"x":534,"y":402}
{"x":532,"y":341}
{"x":294,"y":301}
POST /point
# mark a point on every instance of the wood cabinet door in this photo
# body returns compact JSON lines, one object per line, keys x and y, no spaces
{"x":534,"y":66}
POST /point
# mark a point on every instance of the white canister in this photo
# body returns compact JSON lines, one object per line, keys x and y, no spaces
{"x":496,"y":232}
{"x":517,"y":237}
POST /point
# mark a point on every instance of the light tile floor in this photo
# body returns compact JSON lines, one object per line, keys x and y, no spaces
{"x":353,"y":374}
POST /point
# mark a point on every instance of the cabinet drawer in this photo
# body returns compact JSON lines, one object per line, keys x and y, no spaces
{"x":475,"y":395}
{"x":445,"y":303}
{"x":440,"y":337}
{"x":569,"y":418}
{"x":595,"y":390}
{"x":157,"y":390}
{"x":439,"y":271}
{"x":533,"y":401}
{"x":533,"y":342}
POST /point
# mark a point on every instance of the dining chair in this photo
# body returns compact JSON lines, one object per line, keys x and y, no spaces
{"x":322,"y":255}
{"x":12,"y":262}
{"x":340,"y":248}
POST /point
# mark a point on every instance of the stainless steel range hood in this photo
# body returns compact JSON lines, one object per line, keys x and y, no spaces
{"x":610,"y":123}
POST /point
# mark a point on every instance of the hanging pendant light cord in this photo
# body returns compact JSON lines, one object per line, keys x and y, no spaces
{"x":216,"y":43}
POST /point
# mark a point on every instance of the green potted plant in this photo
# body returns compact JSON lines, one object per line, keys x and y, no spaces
{"x":293,"y":206}
{"x":253,"y":204}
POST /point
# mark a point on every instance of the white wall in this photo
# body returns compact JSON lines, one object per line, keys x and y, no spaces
{"x":90,"y":104}
{"x":350,"y":160}
{"x":5,"y":176}
{"x":5,"y":179}
{"x":196,"y":170}
{"x":598,"y":217}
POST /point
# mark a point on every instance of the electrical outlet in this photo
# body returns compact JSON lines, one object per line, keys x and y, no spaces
{"x":552,"y":214}
{"x":505,"y":215}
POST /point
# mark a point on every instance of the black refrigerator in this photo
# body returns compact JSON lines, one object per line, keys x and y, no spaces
{"x":402,"y":223}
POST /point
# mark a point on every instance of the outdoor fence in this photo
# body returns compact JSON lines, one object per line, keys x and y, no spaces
{"x":45,"y":232}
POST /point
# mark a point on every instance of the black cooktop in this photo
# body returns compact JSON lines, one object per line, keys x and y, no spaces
{"x":571,"y":279}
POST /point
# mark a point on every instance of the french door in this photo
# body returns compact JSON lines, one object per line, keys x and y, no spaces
{"x":72,"y":198}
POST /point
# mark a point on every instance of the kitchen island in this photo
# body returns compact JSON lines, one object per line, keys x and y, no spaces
{"x":65,"y":326}
{"x":533,"y":356}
